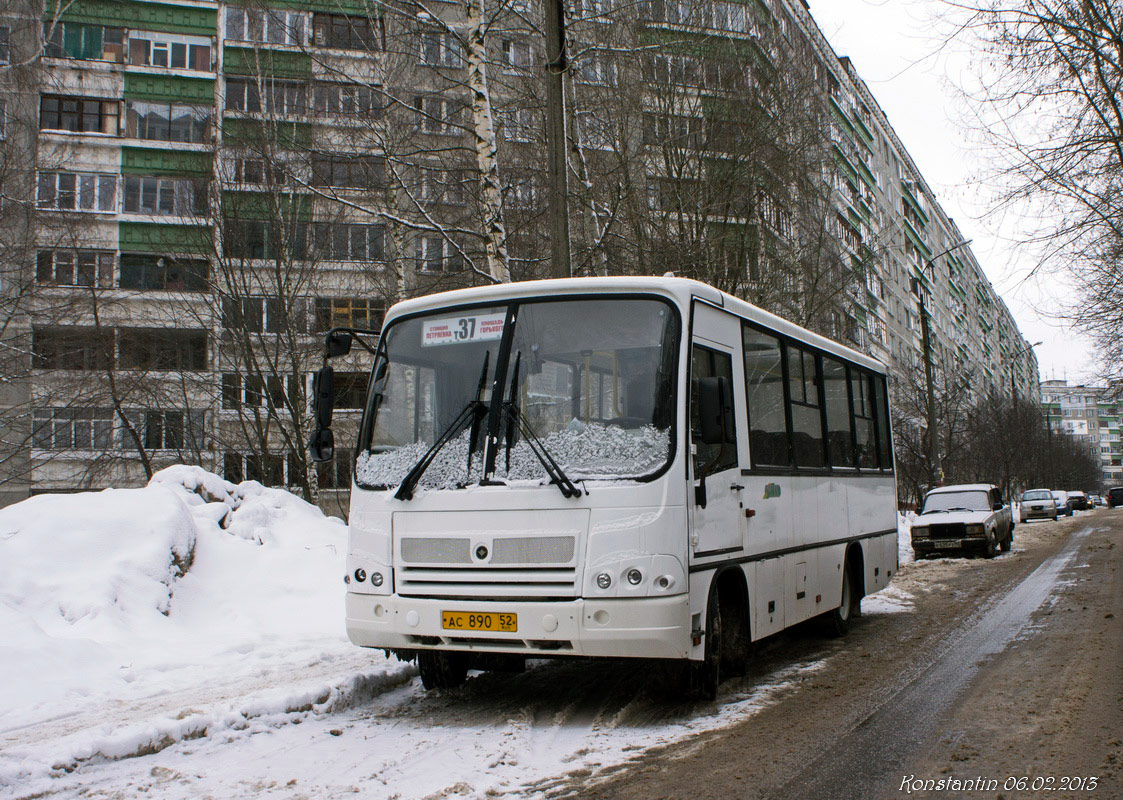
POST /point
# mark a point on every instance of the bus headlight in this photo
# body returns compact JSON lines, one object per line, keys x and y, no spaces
{"x":367,"y":576}
{"x":635,"y":577}
{"x":604,"y":580}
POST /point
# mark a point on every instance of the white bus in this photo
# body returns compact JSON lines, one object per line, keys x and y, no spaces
{"x":611,"y":467}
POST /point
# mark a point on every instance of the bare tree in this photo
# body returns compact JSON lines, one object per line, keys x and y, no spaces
{"x":1051,"y":94}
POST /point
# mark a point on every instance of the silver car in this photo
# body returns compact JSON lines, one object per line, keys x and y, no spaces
{"x":1038,"y":504}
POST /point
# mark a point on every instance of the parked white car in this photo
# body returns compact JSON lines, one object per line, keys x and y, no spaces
{"x":1038,"y":504}
{"x":969,"y":518}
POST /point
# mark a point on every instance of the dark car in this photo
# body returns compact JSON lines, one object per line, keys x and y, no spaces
{"x":1115,"y":497}
{"x":1078,"y":501}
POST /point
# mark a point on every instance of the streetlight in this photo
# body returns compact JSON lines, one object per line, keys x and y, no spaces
{"x":935,"y":473}
{"x":1013,"y":385}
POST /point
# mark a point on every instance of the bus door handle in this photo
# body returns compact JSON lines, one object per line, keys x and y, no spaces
{"x":735,"y":487}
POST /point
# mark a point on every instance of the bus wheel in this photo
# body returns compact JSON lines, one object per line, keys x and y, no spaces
{"x":703,"y":677}
{"x":442,"y":670}
{"x":837,"y":622}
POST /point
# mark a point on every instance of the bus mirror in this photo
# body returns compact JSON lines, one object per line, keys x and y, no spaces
{"x":323,"y":396}
{"x":711,"y":410}
{"x":322,"y":445}
{"x":339,"y":343}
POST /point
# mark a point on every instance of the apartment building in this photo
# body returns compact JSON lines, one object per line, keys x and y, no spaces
{"x":198,"y":189}
{"x":1090,"y":415}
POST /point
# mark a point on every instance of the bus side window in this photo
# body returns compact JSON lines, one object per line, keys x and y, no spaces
{"x":884,"y":440}
{"x":807,"y":420}
{"x":862,"y":397}
{"x":769,"y":445}
{"x":711,"y":458}
{"x":840,"y":441}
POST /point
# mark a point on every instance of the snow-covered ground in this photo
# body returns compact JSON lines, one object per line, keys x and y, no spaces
{"x":186,"y":639}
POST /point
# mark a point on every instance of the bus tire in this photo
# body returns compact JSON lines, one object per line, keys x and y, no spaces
{"x":837,"y":622}
{"x":441,"y":669}
{"x":703,"y":677}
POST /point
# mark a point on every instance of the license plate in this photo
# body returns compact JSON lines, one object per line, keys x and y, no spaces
{"x":946,"y":543}
{"x":479,"y":621}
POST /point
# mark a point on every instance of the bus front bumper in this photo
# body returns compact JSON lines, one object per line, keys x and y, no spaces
{"x":649,"y":627}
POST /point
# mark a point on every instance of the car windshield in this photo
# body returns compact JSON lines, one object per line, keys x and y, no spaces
{"x":975,"y":500}
{"x":592,"y":380}
{"x":1038,"y":495}
{"x":1060,"y":495}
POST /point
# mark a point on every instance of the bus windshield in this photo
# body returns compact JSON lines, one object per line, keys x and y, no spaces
{"x":590,"y":380}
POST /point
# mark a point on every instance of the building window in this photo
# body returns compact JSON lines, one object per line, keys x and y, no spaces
{"x":596,"y":69}
{"x":163,"y":196}
{"x":146,"y":271}
{"x":77,"y":191}
{"x":437,"y":254}
{"x":284,"y":98}
{"x":72,"y":348}
{"x":356,"y":172}
{"x":72,"y":428}
{"x":346,"y":32}
{"x":438,"y":115}
{"x":75,"y":268}
{"x":442,"y":186}
{"x":162,"y":349}
{"x":267,"y":468}
{"x":347,"y":312}
{"x":440,"y":50}
{"x":341,"y":241}
{"x":517,"y":53}
{"x":265,"y":26}
{"x":259,"y":171}
{"x":346,"y":99}
{"x":169,"y":50}
{"x":336,"y":474}
{"x":167,"y":122}
{"x":87,"y":42}
{"x":516,"y":124}
{"x":5,"y":44}
{"x":79,"y":114}
{"x":163,"y":430}
{"x":350,"y":390}
{"x":256,"y":391}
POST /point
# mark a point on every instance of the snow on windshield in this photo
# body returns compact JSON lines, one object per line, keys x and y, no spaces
{"x":585,"y":451}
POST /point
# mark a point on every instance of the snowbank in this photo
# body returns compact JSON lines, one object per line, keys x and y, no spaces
{"x":110,"y":596}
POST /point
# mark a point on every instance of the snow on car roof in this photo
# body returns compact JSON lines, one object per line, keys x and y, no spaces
{"x":964,"y":487}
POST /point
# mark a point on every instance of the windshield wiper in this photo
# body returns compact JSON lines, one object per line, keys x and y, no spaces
{"x":473,"y":413}
{"x":515,"y":419}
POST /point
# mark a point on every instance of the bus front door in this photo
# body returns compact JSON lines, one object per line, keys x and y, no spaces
{"x":716,"y":473}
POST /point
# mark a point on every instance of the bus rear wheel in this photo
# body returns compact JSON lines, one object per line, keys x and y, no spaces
{"x":837,"y":622}
{"x":441,"y":669}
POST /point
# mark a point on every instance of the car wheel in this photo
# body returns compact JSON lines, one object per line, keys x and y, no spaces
{"x":992,"y":547}
{"x":442,"y":670}
{"x":1008,"y":542}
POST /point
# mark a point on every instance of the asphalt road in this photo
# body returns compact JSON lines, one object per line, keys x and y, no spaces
{"x":1006,"y":676}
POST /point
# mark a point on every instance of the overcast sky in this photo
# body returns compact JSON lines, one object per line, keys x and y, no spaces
{"x":895,"y":47}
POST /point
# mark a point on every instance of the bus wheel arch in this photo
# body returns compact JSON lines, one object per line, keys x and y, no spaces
{"x":732,"y":593}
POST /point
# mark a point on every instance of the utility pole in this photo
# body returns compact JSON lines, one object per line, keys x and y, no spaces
{"x":935,"y":473}
{"x":556,"y":65}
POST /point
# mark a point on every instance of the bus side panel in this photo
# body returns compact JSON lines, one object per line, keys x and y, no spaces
{"x":766,"y":597}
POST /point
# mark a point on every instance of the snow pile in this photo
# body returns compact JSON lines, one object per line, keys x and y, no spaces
{"x":109,"y":597}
